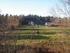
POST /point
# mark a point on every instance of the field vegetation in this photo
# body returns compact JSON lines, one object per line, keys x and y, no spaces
{"x":33,"y":39}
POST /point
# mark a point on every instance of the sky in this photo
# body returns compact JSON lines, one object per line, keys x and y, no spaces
{"x":26,"y":7}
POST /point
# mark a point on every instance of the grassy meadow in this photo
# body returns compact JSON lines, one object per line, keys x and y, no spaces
{"x":36,"y":38}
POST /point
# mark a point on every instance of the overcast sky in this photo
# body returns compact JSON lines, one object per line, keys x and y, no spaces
{"x":35,"y":7}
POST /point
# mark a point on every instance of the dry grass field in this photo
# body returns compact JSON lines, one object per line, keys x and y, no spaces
{"x":35,"y":39}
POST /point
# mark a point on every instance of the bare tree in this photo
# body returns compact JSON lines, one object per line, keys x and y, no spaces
{"x":66,"y":7}
{"x":66,"y":10}
{"x":62,"y":9}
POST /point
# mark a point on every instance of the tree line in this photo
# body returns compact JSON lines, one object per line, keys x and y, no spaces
{"x":14,"y":21}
